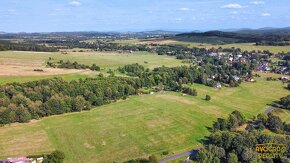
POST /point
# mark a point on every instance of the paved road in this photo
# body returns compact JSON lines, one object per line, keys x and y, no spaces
{"x":269,"y":109}
{"x":191,"y":153}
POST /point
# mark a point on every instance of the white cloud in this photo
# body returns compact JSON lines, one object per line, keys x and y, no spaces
{"x":257,"y":2}
{"x":233,"y":6}
{"x":266,"y":14}
{"x":75,"y":3}
{"x":184,"y":9}
{"x":178,"y":19}
{"x":11,"y":12}
{"x":234,"y":12}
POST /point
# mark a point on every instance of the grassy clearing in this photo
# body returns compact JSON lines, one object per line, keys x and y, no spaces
{"x":139,"y":126}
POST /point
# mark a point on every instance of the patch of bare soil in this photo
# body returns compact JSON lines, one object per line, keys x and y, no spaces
{"x":89,"y":146}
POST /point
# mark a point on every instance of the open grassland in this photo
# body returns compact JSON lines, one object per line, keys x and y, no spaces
{"x":138,"y":126}
{"x":19,"y":66}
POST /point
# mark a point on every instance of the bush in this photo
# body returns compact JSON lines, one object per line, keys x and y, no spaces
{"x":190,"y":91}
{"x":55,"y":157}
{"x":207,"y":98}
{"x":153,"y":159}
{"x":165,"y":153}
{"x":40,"y":70}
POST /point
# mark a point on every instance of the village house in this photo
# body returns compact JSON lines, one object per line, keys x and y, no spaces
{"x":218,"y":85}
{"x":236,"y":78}
{"x":17,"y":160}
{"x":249,"y":79}
{"x":284,"y":79}
{"x":22,"y":160}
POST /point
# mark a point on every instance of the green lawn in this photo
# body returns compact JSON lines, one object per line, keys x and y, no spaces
{"x":139,"y":126}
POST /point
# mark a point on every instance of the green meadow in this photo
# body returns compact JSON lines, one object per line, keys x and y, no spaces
{"x":139,"y":126}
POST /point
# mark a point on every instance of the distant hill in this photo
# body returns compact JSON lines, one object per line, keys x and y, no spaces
{"x":267,"y":31}
{"x":272,"y":35}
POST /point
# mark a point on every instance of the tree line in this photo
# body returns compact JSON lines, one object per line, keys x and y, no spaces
{"x":72,"y":65}
{"x":33,"y":100}
{"x":5,"y":46}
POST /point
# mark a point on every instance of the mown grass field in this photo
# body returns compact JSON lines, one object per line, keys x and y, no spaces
{"x":139,"y":126}
{"x":106,"y":60}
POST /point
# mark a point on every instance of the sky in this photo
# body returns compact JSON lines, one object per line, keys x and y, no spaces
{"x":141,"y":15}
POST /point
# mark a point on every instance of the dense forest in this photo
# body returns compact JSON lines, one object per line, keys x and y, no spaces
{"x":33,"y":100}
{"x":5,"y":45}
{"x":237,"y":37}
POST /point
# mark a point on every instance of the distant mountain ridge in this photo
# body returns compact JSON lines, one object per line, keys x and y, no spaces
{"x":267,"y":30}
{"x":274,"y":36}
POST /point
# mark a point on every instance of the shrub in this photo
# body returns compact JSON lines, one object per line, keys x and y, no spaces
{"x":207,"y":98}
